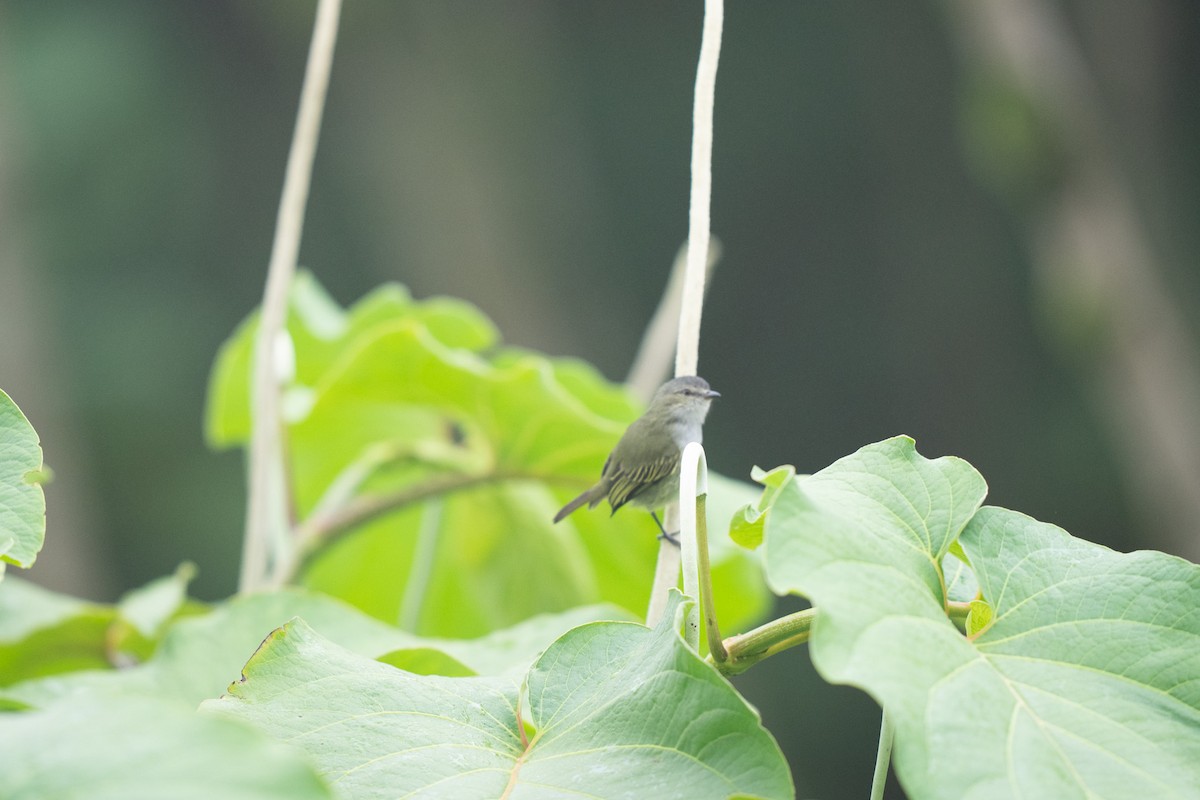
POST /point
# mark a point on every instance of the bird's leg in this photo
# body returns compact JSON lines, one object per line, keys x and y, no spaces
{"x":673,"y":538}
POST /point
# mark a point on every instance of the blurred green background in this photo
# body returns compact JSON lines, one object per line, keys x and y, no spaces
{"x":921,"y":234}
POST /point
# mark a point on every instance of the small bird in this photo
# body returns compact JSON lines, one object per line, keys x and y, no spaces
{"x":643,"y":468}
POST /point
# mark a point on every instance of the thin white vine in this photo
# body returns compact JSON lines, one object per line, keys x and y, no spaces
{"x":267,"y":495}
{"x":687,"y":352}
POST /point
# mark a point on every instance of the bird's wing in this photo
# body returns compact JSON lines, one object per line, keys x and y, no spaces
{"x":626,"y":484}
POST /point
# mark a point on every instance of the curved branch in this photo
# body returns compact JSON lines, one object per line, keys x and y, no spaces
{"x":321,"y":530}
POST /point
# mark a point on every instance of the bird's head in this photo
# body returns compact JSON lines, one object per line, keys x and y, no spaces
{"x":689,"y":395}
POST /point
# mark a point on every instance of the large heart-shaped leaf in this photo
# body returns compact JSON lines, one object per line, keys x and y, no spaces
{"x":108,"y":748}
{"x":199,"y":655}
{"x":462,"y":455}
{"x":610,"y":710}
{"x":1088,"y":676}
{"x":1086,"y":682}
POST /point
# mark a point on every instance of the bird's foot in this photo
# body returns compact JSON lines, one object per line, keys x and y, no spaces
{"x":673,"y":538}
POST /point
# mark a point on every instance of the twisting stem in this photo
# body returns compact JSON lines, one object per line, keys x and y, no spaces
{"x":687,"y":350}
{"x":883,"y":757}
{"x":267,"y":504}
{"x":744,"y":650}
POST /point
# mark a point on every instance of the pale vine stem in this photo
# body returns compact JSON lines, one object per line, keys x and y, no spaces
{"x":666,"y":573}
{"x":267,"y":505}
{"x":652,"y":364}
{"x":883,"y":757}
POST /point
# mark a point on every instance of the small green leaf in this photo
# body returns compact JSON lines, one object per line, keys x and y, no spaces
{"x":40,"y":477}
{"x":149,"y":608}
{"x":118,"y":749}
{"x":776,"y":478}
{"x":746,"y":529}
{"x":22,"y":503}
{"x":594,"y":707}
{"x":979,"y":618}
{"x":143,"y":613}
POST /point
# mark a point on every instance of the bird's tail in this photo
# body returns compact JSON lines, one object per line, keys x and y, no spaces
{"x":592,"y":496}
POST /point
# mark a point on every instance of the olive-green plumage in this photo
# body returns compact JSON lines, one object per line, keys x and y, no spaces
{"x":643,"y":468}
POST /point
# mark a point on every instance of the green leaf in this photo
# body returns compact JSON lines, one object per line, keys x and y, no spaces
{"x":1090,"y":668}
{"x":739,"y":587}
{"x":961,"y":583}
{"x":614,"y":710}
{"x":45,"y":633}
{"x":199,"y":655}
{"x":463,"y":456}
{"x":427,"y":661}
{"x":22,"y":502}
{"x":851,"y":513}
{"x":147,"y":609}
{"x":1087,"y":681}
{"x":143,"y":613}
{"x":746,"y":529}
{"x":979,"y":617}
{"x":321,"y":333}
{"x":455,"y":559}
{"x":131,"y":748}
{"x":511,"y":650}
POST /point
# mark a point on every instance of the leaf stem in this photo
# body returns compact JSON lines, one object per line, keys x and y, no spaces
{"x":883,"y":757}
{"x":267,"y":502}
{"x":321,"y":530}
{"x":716,"y":647}
{"x":744,"y":650}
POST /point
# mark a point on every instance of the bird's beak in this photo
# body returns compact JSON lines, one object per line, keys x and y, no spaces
{"x":711,"y":393}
